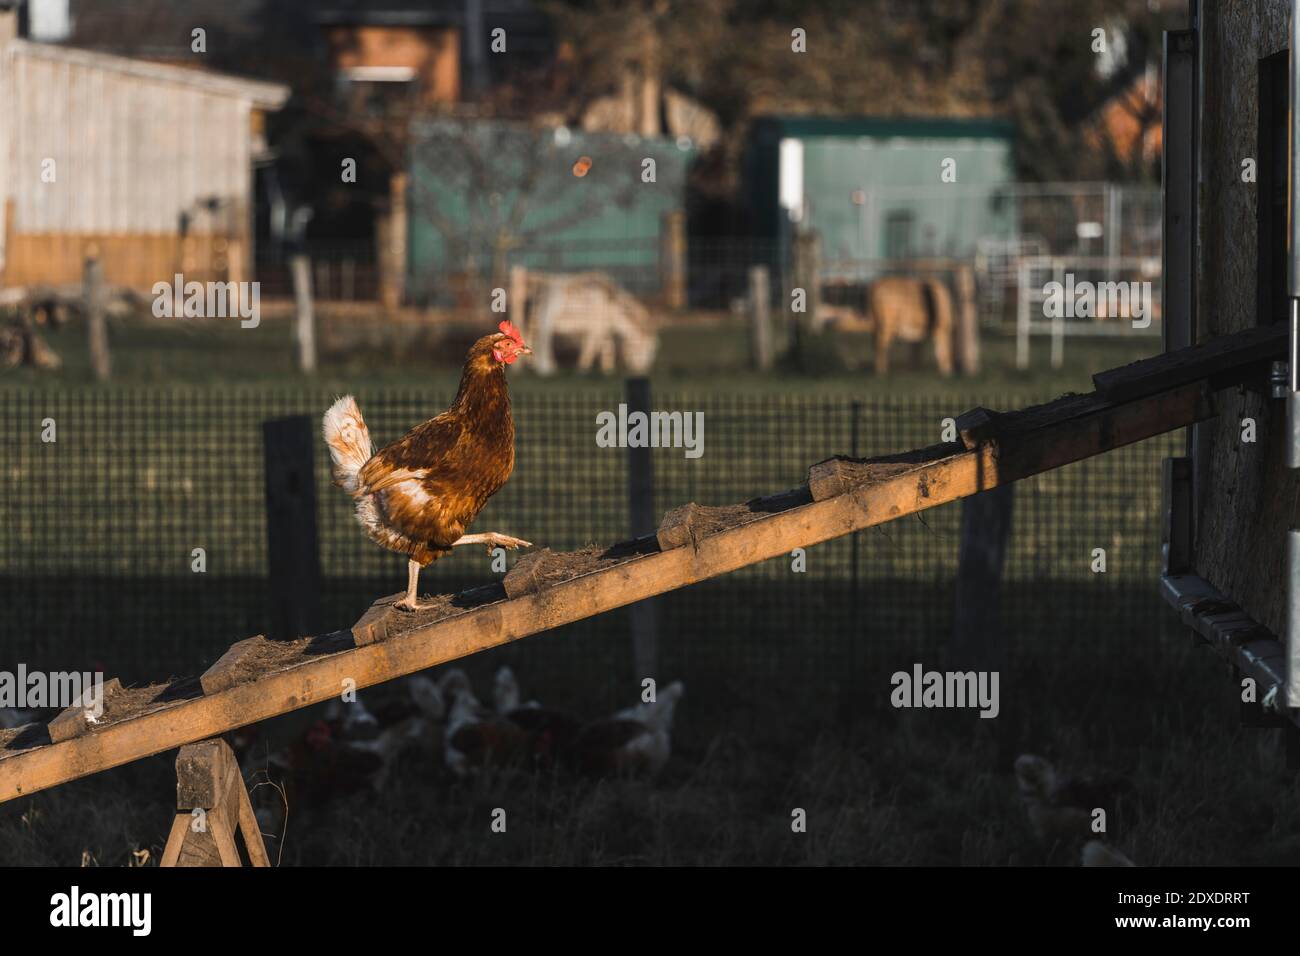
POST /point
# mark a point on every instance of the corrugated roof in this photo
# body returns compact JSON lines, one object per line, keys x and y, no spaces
{"x":261,"y":94}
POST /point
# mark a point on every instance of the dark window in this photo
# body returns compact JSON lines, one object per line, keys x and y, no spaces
{"x":1270,"y":189}
{"x":898,"y":234}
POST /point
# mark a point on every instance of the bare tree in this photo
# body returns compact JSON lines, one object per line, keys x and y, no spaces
{"x":490,"y":187}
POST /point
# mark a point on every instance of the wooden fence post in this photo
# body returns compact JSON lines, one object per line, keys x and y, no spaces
{"x":966,"y":322}
{"x":760,"y":318}
{"x":304,"y":327}
{"x":807,"y":276}
{"x":292,"y":542}
{"x":96,"y":325}
{"x":390,"y":228}
{"x":641,"y":513}
{"x":985,"y":530}
{"x":672,"y":263}
{"x":977,"y":642}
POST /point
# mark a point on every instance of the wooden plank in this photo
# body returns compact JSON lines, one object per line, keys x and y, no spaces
{"x":1222,"y":360}
{"x":230,"y":667}
{"x":175,"y":840}
{"x":74,"y":721}
{"x":776,"y":531}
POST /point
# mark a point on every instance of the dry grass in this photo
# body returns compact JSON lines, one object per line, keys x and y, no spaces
{"x":879,"y":786}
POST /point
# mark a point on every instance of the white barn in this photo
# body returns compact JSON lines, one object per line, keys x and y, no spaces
{"x":148,"y":166}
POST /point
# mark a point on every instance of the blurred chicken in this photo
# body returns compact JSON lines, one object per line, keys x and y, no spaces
{"x":427,"y":696}
{"x":386,"y":748}
{"x":1061,"y":808}
{"x":322,"y":766}
{"x":352,"y":719}
{"x":635,"y":741}
{"x":475,"y":735}
{"x":1096,"y":853}
{"x":505,"y":691}
{"x":547,"y":731}
{"x":12,"y":717}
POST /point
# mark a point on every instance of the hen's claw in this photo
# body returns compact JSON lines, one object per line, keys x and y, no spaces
{"x":410,"y":606}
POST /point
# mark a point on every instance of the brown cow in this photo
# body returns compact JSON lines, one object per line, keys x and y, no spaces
{"x":911,"y":309}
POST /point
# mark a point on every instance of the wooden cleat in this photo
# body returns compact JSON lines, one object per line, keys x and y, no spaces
{"x":373,"y":626}
{"x":229,"y":669}
{"x":679,"y":527}
{"x":977,"y":425}
{"x":829,"y":478}
{"x":527,"y":574}
{"x":75,"y":720}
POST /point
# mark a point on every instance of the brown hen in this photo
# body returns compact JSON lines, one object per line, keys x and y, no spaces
{"x":418,"y":495}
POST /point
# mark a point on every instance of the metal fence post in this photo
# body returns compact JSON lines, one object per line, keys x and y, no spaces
{"x":641,"y":515}
{"x":855,"y":412}
{"x":292,"y":541}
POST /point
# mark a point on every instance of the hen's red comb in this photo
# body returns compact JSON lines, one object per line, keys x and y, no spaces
{"x":511,"y":331}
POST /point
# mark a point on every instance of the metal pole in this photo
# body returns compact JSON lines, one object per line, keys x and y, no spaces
{"x":1293,"y":615}
{"x":1293,"y":390}
{"x":1022,"y":316}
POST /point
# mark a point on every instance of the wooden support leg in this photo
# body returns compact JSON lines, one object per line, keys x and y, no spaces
{"x":212,"y":805}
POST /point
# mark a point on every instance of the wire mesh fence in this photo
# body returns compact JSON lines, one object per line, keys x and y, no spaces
{"x":100,"y":530}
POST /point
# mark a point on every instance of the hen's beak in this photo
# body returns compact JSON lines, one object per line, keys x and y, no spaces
{"x":525,"y":351}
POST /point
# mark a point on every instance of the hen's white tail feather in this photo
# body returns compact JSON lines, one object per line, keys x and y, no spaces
{"x":348,"y":440}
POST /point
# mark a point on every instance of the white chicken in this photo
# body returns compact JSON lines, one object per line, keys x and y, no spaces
{"x":636,"y":740}
{"x":1061,"y":809}
{"x":1095,"y":853}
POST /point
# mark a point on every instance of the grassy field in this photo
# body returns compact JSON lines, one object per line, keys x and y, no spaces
{"x":787,"y":675}
{"x":880,"y":786}
{"x":712,"y":358}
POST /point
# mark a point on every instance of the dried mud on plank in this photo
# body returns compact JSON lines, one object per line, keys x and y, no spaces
{"x":126,"y":704}
{"x":440,"y":607}
{"x":692,"y":522}
{"x":546,"y":568}
{"x":835,"y":476}
{"x":261,"y":655}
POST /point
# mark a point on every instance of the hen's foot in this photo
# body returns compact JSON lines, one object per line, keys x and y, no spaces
{"x":410,"y":604}
{"x":494,"y":540}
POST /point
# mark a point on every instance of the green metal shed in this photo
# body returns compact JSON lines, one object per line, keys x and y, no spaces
{"x":873,"y":187}
{"x":486,"y":190}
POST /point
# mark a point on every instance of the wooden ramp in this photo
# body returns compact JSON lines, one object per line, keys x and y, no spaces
{"x":257,"y":678}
